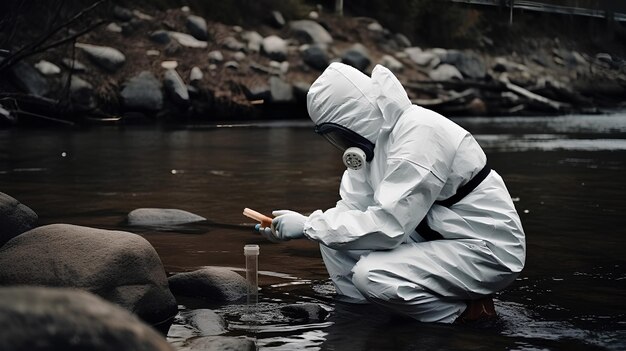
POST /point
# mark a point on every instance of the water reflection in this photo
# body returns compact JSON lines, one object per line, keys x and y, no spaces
{"x":565,"y":173}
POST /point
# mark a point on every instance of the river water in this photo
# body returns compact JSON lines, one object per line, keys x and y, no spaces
{"x":566,"y":175}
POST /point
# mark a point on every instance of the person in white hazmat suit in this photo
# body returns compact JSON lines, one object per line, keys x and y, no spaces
{"x":424,"y":227}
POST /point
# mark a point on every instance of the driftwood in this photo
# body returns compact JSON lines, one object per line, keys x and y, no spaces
{"x":536,"y":98}
{"x":500,"y":97}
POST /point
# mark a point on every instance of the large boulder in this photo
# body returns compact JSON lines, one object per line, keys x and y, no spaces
{"x":106,"y":57}
{"x":28,"y":79}
{"x":15,"y":218}
{"x":119,"y":266}
{"x":311,"y":32}
{"x":468,"y":63}
{"x":142,"y":93}
{"x":216,"y":284}
{"x":38,"y":318}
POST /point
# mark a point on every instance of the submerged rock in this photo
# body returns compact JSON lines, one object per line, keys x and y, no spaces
{"x":205,"y":322}
{"x":118,"y":266}
{"x":304,"y":312}
{"x":37,"y":318}
{"x":161,"y":216}
{"x":215,"y":284}
{"x":221,"y":343}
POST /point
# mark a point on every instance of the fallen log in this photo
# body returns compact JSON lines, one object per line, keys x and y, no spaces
{"x":535,"y":98}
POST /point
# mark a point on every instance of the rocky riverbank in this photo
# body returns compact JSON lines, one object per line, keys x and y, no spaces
{"x":64,"y":286}
{"x":142,"y":67}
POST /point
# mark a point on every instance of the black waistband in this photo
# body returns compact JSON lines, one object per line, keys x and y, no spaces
{"x":427,"y":232}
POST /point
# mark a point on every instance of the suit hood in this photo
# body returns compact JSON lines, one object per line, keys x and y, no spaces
{"x":345,"y":96}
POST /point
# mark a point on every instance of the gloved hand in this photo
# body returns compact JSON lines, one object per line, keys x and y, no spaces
{"x":286,"y":225}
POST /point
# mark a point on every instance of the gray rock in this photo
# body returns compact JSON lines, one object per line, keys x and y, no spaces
{"x":214,"y":284}
{"x":6,"y":117}
{"x":445,"y":72}
{"x":195,"y":75}
{"x":304,"y":312}
{"x":254,"y":40}
{"x":197,"y":27}
{"x":187,"y":40}
{"x":122,"y":13}
{"x":316,"y":57}
{"x":375,"y":27}
{"x":81,"y":93}
{"x":205,"y":322}
{"x":257,"y":92}
{"x":275,"y":48}
{"x":175,"y":87}
{"x":357,"y":57}
{"x":233,"y":44}
{"x":38,"y":318}
{"x":215,"y":56}
{"x":114,"y":27}
{"x":402,"y":40}
{"x":160,"y":36}
{"x":392,"y":63}
{"x":281,"y":91}
{"x":161,"y":216}
{"x":142,"y":93}
{"x":120,"y":267}
{"x":469,"y":64}
{"x":423,"y":58}
{"x":310,"y":32}
{"x":47,"y":68}
{"x":277,"y":20}
{"x":28,"y":79}
{"x":222,"y":343}
{"x":231,"y":64}
{"x":15,"y":218}
{"x":239,"y":56}
{"x":74,"y":65}
{"x":106,"y":57}
{"x":300,"y":90}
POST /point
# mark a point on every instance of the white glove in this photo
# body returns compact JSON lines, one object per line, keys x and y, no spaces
{"x":286,"y":225}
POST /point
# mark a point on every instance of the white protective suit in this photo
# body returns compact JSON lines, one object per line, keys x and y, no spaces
{"x":369,"y":241}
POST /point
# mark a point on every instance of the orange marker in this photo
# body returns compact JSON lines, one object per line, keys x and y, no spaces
{"x":259,"y":217}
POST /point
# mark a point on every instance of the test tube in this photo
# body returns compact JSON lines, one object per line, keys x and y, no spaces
{"x":252,"y":265}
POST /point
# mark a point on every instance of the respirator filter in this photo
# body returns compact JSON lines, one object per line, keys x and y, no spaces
{"x":354,"y":158}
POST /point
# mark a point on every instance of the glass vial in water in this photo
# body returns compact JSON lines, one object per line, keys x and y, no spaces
{"x":252,"y":274}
